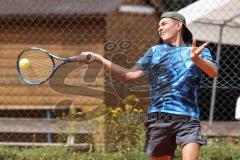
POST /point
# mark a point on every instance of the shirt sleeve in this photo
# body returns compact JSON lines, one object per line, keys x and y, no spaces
{"x":144,"y":63}
{"x":206,"y":54}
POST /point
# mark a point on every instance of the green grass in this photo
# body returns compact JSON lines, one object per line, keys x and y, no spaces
{"x":218,"y":149}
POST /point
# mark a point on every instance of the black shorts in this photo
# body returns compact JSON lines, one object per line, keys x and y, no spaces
{"x":166,"y":131}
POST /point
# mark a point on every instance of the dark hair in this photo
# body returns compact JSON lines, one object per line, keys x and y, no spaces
{"x":186,"y":36}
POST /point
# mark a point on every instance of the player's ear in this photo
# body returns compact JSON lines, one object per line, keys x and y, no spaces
{"x":179,"y":25}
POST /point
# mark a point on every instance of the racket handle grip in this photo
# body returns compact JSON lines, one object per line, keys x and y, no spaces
{"x":76,"y":58}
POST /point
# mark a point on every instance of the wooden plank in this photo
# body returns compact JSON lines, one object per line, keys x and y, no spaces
{"x":76,"y":71}
{"x":50,"y":100}
{"x":40,"y":125}
{"x":221,"y":128}
{"x":11,"y":51}
{"x":82,"y":146}
{"x":44,"y":107}
{"x":15,"y":80}
{"x":79,"y":72}
{"x":11,"y":80}
{"x":43,"y":90}
{"x":27,"y":107}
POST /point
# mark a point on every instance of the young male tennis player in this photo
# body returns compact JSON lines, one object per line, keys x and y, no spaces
{"x":174,"y":69}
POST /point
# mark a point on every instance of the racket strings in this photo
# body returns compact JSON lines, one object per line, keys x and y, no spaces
{"x":40,"y":66}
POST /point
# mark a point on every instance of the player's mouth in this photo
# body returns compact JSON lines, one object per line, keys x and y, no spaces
{"x":162,"y":33}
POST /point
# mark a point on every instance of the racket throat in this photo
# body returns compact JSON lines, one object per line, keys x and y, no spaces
{"x":73,"y":59}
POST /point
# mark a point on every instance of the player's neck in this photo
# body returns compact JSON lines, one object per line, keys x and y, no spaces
{"x":177,"y":41}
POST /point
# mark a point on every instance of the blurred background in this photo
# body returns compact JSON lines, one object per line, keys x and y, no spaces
{"x":122,"y":31}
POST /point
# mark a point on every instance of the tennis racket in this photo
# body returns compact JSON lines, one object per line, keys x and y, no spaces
{"x":36,"y":66}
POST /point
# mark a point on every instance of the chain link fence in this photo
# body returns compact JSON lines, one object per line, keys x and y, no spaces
{"x":120,"y":30}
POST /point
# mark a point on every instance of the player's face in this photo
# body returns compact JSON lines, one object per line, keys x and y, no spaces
{"x":168,"y":29}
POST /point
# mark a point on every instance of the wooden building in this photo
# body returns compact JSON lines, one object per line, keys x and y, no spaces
{"x":66,"y":27}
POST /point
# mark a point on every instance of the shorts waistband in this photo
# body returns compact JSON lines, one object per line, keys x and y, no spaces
{"x":155,"y":116}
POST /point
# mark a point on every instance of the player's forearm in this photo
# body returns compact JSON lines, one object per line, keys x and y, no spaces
{"x":207,"y":66}
{"x":118,"y":71}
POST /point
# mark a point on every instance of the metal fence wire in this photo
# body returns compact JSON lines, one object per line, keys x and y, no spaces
{"x":121,"y":30}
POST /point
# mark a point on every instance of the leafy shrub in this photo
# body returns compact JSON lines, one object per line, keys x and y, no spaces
{"x":124,"y":128}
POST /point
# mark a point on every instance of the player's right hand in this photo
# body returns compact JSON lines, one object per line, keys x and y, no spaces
{"x":88,"y":57}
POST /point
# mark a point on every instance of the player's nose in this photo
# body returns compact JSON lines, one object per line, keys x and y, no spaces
{"x":160,"y":29}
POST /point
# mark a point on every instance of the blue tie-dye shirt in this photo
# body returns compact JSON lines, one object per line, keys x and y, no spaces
{"x":174,"y":79}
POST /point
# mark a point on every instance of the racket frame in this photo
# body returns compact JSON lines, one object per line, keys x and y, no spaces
{"x":52,"y":57}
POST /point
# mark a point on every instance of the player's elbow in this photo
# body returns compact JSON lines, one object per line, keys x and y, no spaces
{"x":132,"y":76}
{"x":128,"y":78}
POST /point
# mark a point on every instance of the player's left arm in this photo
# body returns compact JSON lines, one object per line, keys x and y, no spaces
{"x":206,"y":65}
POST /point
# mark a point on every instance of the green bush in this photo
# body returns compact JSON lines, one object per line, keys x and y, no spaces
{"x":124,"y":129}
{"x":220,"y":149}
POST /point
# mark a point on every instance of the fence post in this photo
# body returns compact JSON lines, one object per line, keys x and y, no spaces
{"x":214,"y":88}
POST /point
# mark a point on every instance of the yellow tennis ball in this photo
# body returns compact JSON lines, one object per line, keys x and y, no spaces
{"x":24,"y":63}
